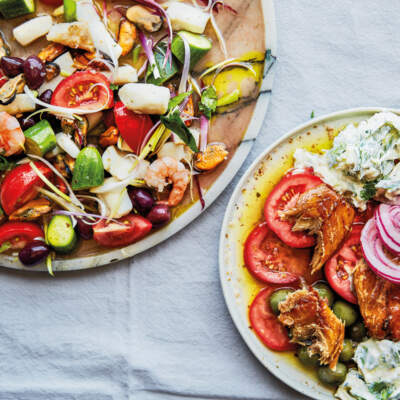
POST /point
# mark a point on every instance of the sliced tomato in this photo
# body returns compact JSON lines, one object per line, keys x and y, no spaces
{"x":84,"y":89}
{"x":339,"y":267}
{"x":129,"y":229}
{"x":270,"y":260}
{"x":20,"y":185}
{"x":132,"y":127}
{"x":265,"y":323}
{"x":284,"y":196}
{"x":19,"y":233}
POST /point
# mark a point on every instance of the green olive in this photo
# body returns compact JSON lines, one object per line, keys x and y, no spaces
{"x":306,"y":359}
{"x":325,"y":292}
{"x":347,"y":351}
{"x":332,"y":377}
{"x":358,"y":332}
{"x":277,"y":297}
{"x":345,"y":312}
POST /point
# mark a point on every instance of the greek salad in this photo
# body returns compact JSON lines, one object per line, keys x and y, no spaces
{"x":105,"y":129}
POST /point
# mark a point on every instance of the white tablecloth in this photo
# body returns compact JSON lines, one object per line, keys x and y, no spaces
{"x":156,"y":327}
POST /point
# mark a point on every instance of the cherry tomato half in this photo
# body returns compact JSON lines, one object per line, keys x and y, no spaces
{"x":270,"y":260}
{"x":19,"y":233}
{"x":20,"y":185}
{"x":265,"y":323}
{"x":130,"y":228}
{"x":84,"y":89}
{"x":285,"y":195}
{"x":132,"y":127}
{"x":339,"y":267}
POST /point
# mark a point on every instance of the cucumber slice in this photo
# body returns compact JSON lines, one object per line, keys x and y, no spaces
{"x":199,"y":46}
{"x":167,"y":72}
{"x":88,"y":169}
{"x":70,"y":10}
{"x":61,"y":234}
{"x":40,"y":138}
{"x":16,"y":8}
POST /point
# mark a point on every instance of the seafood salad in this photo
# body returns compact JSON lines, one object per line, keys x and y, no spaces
{"x":327,"y":255}
{"x":106,"y":129}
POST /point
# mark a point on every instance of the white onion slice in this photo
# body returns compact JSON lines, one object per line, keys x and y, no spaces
{"x":218,"y":32}
{"x":102,"y":205}
{"x":186,"y":66}
{"x":67,"y":144}
{"x":63,"y":110}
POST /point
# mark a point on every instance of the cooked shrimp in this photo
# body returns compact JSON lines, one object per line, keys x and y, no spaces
{"x":167,"y":170}
{"x":12,"y":138}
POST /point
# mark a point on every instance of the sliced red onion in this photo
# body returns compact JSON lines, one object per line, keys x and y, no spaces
{"x":186,"y":66}
{"x":161,"y":12}
{"x":375,"y":254}
{"x":386,"y":220}
{"x":147,"y":45}
{"x":204,"y":124}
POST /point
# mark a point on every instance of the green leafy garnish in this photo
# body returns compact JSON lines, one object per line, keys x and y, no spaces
{"x":174,"y":122}
{"x":368,"y":191}
{"x":383,"y":389}
{"x":175,"y":101}
{"x":113,"y":86}
{"x":208,"y":103}
{"x":4,"y":164}
{"x":312,"y":115}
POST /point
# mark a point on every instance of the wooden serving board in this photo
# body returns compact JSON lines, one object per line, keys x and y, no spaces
{"x":251,"y":32}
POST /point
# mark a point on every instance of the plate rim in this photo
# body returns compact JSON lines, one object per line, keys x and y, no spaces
{"x":229,"y":301}
{"x":217,"y":188}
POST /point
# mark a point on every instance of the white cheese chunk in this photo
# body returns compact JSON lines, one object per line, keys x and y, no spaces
{"x":85,"y":12}
{"x":72,"y":34}
{"x":117,"y":201}
{"x":32,"y":29}
{"x":145,"y":98}
{"x":117,"y":164}
{"x":186,"y":17}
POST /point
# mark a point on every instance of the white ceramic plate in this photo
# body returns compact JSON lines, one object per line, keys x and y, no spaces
{"x":216,"y":189}
{"x":242,"y":214}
